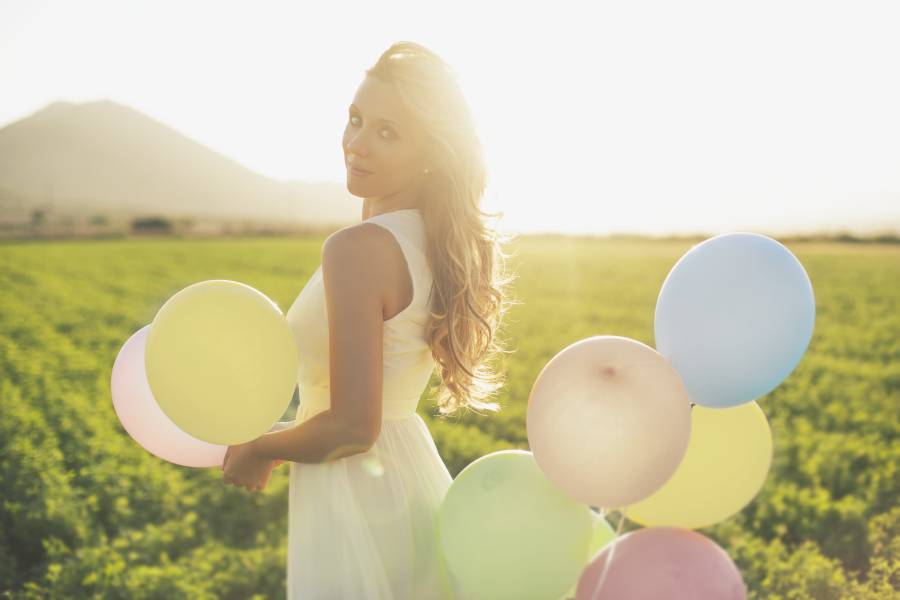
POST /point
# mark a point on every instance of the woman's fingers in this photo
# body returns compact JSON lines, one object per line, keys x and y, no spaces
{"x":250,"y":486}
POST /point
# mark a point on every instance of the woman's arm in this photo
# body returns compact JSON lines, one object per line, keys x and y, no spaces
{"x":319,"y":439}
{"x":280,"y":425}
{"x":359,"y":266}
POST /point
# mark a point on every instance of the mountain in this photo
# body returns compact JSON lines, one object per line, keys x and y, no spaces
{"x":106,"y":157}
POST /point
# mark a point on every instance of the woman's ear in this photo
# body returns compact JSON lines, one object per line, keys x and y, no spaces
{"x":429,"y":157}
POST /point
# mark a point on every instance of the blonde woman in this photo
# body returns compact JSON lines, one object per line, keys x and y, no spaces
{"x":419,"y":283}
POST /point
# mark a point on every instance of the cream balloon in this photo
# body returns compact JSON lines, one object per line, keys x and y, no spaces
{"x":608,"y":420}
{"x":726,"y":464}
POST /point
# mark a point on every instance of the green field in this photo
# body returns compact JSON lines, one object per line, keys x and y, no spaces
{"x":87,"y":513}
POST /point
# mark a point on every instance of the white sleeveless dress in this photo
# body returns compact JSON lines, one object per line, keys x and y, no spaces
{"x":364,"y":526}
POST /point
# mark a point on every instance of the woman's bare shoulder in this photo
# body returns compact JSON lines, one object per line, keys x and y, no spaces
{"x":364,"y":249}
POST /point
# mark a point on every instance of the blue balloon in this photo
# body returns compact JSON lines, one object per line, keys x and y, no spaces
{"x":734,"y":317}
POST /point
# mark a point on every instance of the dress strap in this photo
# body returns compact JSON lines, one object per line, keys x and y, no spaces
{"x":408,"y":229}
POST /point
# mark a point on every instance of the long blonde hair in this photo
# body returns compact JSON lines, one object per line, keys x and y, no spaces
{"x":470,"y":292}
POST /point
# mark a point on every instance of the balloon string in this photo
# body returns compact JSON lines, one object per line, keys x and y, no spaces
{"x":612,"y":552}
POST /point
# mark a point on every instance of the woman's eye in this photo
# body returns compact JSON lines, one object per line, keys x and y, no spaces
{"x":386,"y":129}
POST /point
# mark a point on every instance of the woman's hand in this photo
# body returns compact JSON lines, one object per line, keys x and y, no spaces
{"x":242,"y":467}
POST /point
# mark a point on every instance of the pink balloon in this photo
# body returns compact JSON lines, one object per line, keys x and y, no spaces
{"x":145,"y":421}
{"x":662,"y":562}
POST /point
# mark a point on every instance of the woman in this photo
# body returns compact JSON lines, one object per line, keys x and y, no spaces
{"x":418,"y":283}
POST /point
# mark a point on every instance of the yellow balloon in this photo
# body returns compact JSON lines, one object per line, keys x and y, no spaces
{"x":726,"y":463}
{"x":221,"y":361}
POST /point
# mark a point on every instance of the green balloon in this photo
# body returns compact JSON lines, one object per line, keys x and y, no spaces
{"x":603,"y":534}
{"x":506,"y":531}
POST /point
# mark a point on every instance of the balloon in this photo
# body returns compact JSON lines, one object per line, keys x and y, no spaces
{"x":726,"y":464}
{"x":734,"y":316}
{"x":142,"y":418}
{"x":608,"y":420}
{"x":506,"y":532}
{"x":602,"y":535}
{"x":222,"y":361}
{"x":662,"y":562}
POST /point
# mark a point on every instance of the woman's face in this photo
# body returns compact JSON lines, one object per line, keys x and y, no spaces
{"x":382,"y":139}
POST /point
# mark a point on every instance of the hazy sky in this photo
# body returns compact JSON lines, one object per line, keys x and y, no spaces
{"x":637,"y":116}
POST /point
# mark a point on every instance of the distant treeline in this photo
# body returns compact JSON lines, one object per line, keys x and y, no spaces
{"x":43,"y":225}
{"x":874,"y":238}
{"x":40,"y":226}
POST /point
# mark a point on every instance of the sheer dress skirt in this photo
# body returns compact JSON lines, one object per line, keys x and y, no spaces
{"x":365,"y":526}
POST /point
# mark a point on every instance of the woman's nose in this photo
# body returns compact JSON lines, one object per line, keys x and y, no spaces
{"x":357,"y":144}
{"x":356,"y":148}
{"x":356,"y":151}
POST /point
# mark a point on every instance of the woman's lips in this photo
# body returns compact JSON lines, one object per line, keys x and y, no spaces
{"x":359,"y":172}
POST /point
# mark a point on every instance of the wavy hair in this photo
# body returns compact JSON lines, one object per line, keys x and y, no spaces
{"x":469,"y":296}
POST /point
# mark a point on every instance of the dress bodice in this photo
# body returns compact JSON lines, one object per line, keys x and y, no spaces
{"x":408,"y":363}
